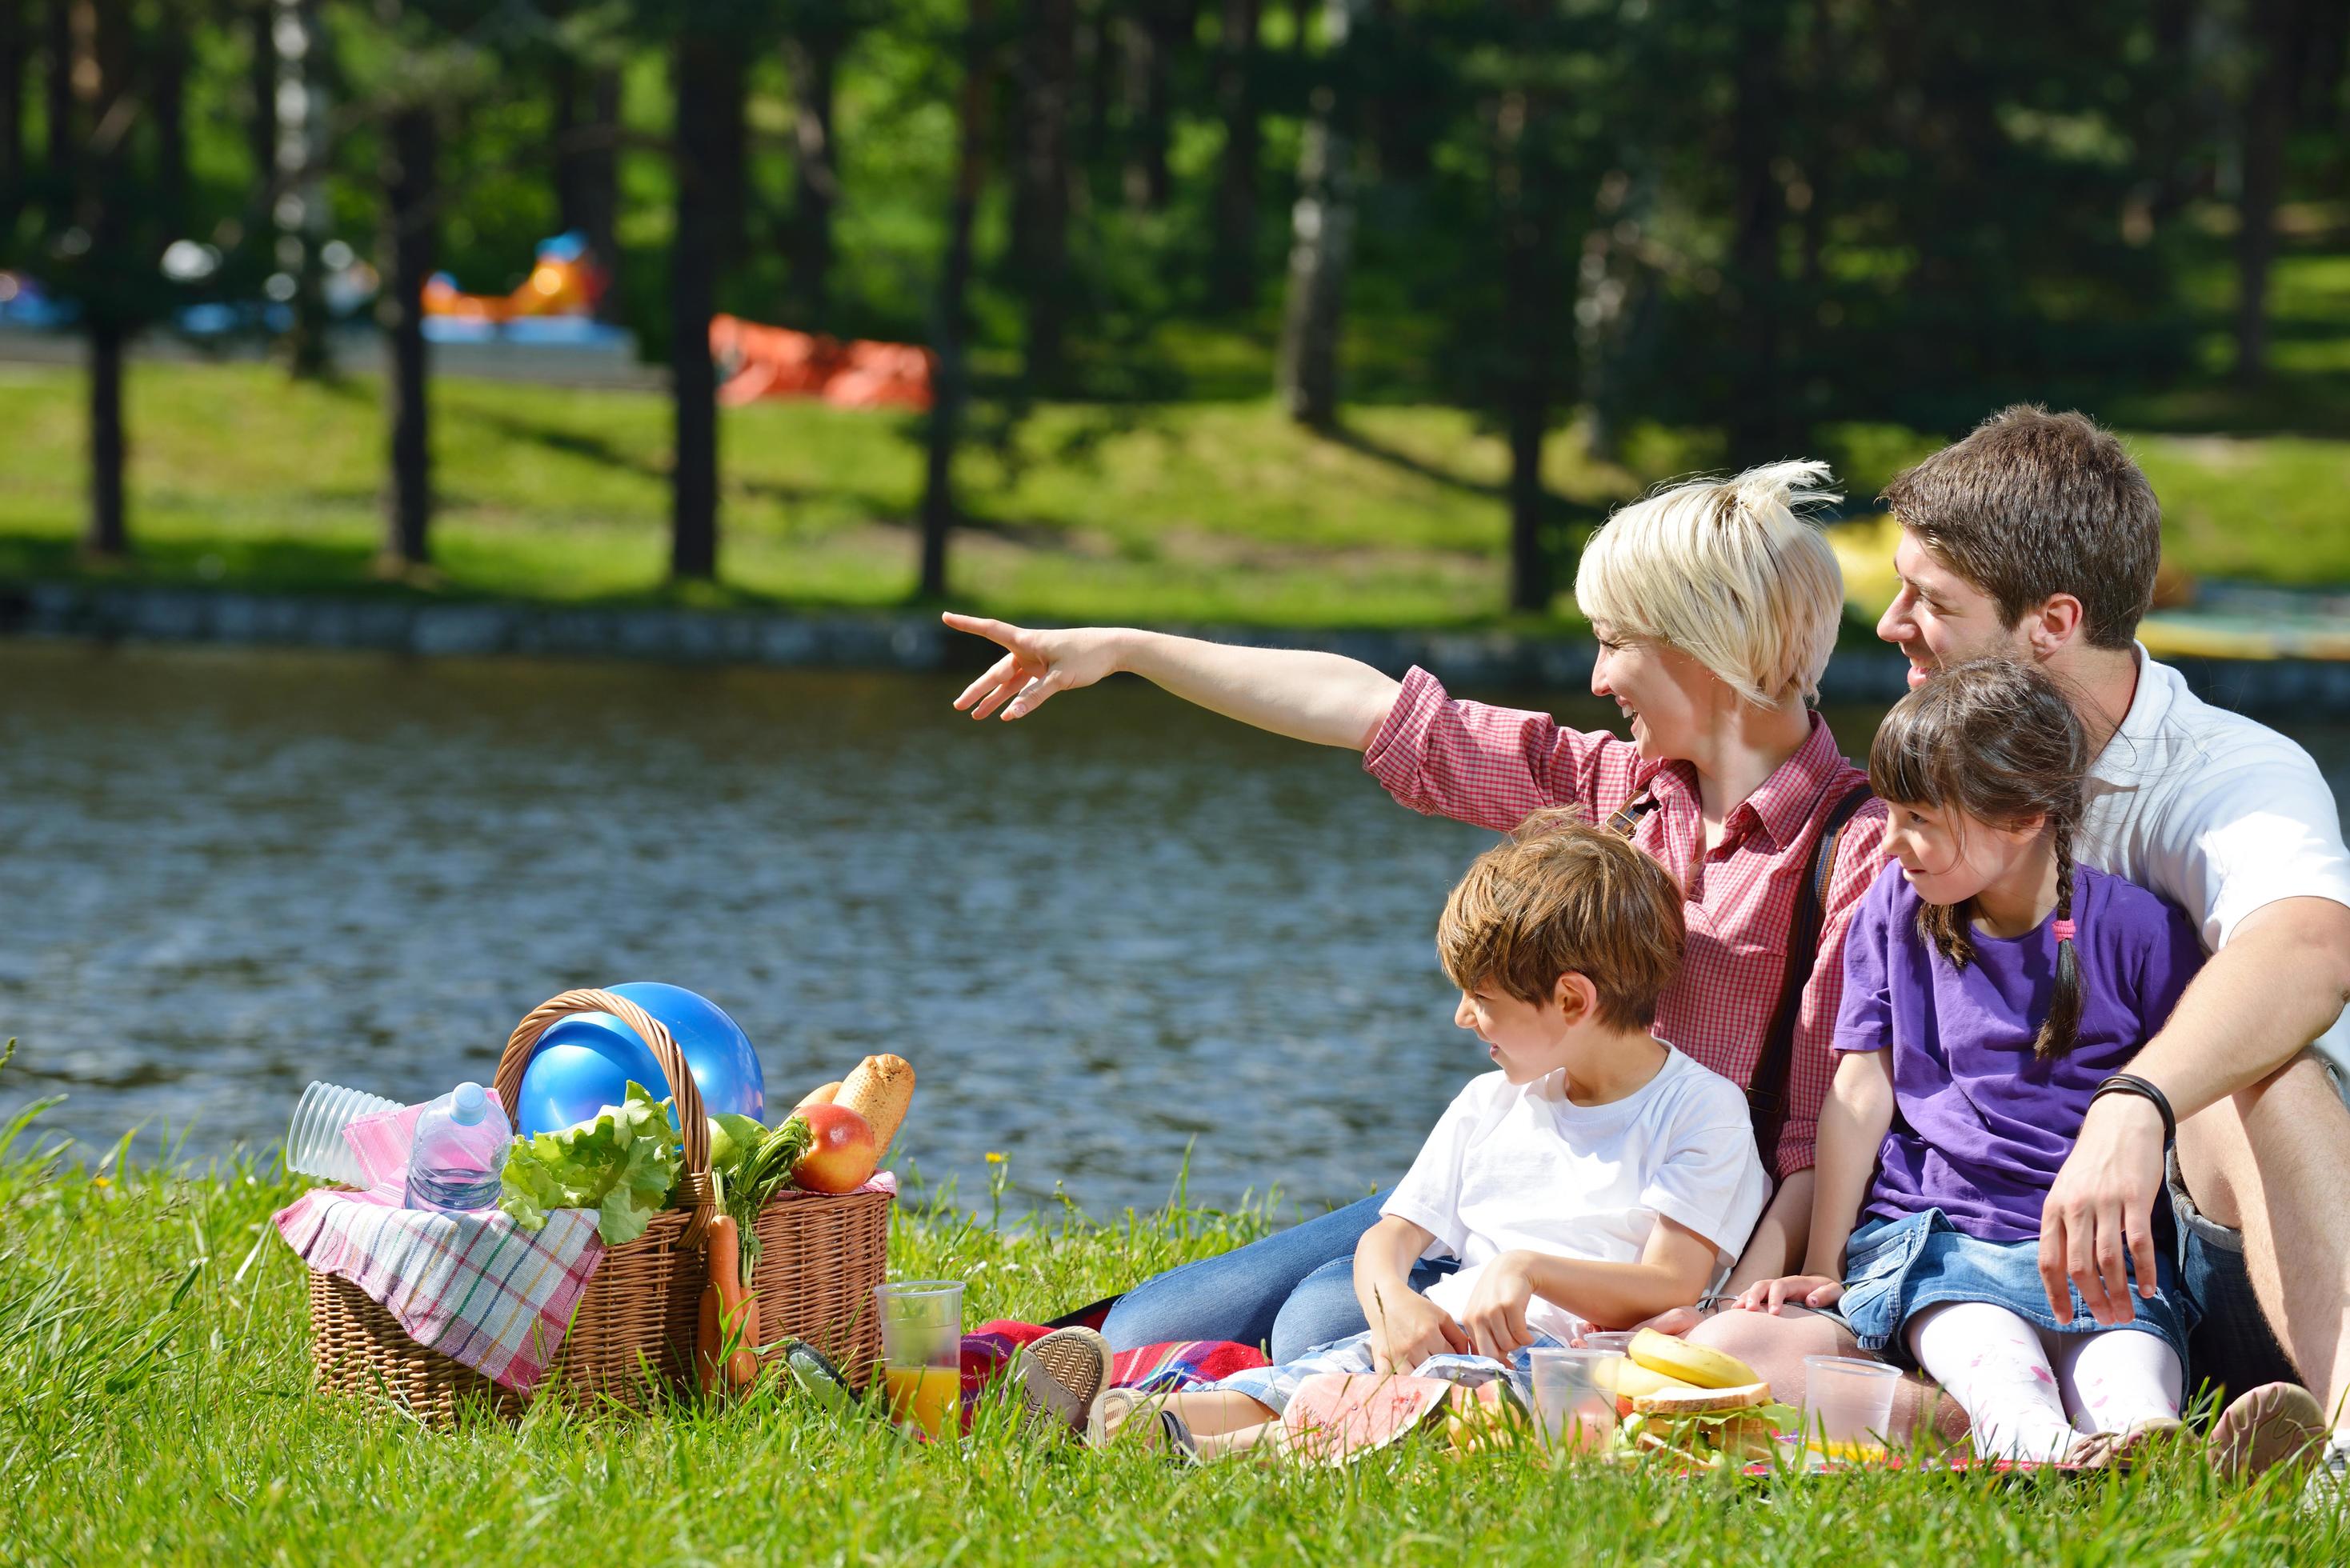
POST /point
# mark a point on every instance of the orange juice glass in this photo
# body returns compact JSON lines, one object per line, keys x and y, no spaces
{"x":922,"y":1354}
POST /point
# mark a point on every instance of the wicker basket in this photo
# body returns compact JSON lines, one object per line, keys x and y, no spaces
{"x":631,"y":1337}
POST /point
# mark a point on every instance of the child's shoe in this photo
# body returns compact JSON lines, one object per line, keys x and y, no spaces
{"x":1129,"y":1415}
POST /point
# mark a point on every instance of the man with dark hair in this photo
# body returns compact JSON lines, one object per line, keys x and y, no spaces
{"x":2037,"y":537}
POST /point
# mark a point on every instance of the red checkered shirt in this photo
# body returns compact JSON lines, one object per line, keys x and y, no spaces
{"x":1493,"y":766}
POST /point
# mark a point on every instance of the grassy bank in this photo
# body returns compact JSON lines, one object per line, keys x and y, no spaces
{"x":153,"y":1350}
{"x":1192,"y":512}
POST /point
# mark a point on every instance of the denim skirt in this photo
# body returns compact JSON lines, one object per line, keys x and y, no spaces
{"x":1895,"y":1269}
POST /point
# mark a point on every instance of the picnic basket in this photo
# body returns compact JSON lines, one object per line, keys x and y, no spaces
{"x":631,"y":1339}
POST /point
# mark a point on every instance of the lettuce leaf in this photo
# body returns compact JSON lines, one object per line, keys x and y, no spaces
{"x":623,"y":1163}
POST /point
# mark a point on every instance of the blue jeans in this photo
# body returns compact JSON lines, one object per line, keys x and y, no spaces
{"x":1290,"y":1292}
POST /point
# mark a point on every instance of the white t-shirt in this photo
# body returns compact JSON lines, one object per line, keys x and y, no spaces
{"x":2216,"y":813}
{"x":1523,"y":1166}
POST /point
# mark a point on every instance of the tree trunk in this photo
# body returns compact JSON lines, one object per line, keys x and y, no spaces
{"x":104,"y":166}
{"x":167,"y":99}
{"x":811,"y":62}
{"x":729,"y":159}
{"x":588,"y":170}
{"x":1040,"y":207}
{"x":1759,"y":428}
{"x":2268,"y":121}
{"x":61,"y":136}
{"x":1322,"y":227}
{"x":109,"y":538}
{"x":13,"y":60}
{"x":261,"y":85}
{"x":701,"y":74}
{"x":947,"y":331}
{"x":300,"y":208}
{"x":563,"y":99}
{"x":1098,"y":69}
{"x":1527,"y":291}
{"x":1153,"y":39}
{"x":1232,"y":261}
{"x":410,"y":221}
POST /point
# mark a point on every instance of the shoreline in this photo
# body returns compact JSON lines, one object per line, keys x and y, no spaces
{"x":909,"y":640}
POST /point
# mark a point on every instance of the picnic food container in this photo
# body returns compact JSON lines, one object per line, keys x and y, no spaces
{"x":631,"y":1339}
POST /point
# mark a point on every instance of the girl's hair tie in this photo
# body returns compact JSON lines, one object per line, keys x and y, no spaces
{"x":2063,"y":930}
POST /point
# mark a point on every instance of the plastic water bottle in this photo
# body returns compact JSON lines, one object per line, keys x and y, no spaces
{"x":459,"y":1152}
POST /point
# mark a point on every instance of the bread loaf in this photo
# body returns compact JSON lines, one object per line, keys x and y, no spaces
{"x":880,"y":1089}
{"x":822,"y":1095}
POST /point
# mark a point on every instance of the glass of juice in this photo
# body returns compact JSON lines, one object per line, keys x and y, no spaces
{"x":1848,"y":1405}
{"x":921,"y":1353}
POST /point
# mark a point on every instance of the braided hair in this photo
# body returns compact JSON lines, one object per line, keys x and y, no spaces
{"x":1996,"y":740}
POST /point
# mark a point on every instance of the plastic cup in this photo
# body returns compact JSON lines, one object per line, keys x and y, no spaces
{"x":1847,"y":1405}
{"x":314,"y":1139}
{"x":921,"y":1353}
{"x":1613,"y":1341}
{"x":1576,"y":1412}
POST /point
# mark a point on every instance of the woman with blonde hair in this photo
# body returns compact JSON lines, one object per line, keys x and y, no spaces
{"x":1715,"y":604}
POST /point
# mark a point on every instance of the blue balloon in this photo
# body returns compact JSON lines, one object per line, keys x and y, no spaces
{"x":585,"y":1063}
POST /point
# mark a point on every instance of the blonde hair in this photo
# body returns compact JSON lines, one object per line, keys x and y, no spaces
{"x":1733,"y":572}
{"x":1561,"y":897}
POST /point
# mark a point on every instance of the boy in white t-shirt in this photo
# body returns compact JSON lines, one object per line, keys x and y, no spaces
{"x":1598,"y":1178}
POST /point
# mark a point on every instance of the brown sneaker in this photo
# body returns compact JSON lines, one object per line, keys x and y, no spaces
{"x":1061,"y":1375}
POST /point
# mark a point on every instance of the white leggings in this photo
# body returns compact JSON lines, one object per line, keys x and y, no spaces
{"x":2030,"y":1393}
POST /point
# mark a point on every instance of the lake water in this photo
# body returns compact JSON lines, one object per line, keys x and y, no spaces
{"x":1109,"y":933}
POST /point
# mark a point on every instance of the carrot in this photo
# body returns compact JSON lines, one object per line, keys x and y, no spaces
{"x":726,"y":1309}
{"x":742,"y":1367}
{"x":706,"y":1342}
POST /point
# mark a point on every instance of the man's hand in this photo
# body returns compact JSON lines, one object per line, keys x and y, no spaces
{"x":1409,"y":1328}
{"x":1496,"y":1314}
{"x":1803,"y":1290}
{"x":1036,"y":665}
{"x":2100,"y":1211}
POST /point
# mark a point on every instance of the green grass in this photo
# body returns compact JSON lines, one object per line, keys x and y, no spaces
{"x":153,"y":1351}
{"x":1194,"y":512}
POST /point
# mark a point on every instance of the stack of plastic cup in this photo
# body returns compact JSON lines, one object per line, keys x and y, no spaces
{"x":314,"y":1142}
{"x":1847,"y":1405}
{"x":921,"y":1353}
{"x":1613,"y":1341}
{"x":1577,"y":1413}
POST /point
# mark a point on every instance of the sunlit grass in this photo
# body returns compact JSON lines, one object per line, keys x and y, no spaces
{"x":1194,"y":512}
{"x":155,"y":1353}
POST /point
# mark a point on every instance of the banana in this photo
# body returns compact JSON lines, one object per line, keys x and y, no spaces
{"x":1697,"y":1364}
{"x":1628,"y":1379}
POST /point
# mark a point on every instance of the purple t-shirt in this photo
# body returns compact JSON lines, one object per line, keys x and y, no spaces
{"x":1979,"y":1126}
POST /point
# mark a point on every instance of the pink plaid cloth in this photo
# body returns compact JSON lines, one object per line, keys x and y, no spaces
{"x":1494,"y":766}
{"x":475,"y":1287}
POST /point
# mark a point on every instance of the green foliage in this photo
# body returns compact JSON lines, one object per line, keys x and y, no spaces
{"x":623,"y":1163}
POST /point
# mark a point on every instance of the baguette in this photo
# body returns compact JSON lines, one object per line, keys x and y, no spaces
{"x":822,"y":1095}
{"x":880,"y":1088}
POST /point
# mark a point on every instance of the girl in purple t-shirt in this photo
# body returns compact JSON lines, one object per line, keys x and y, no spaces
{"x":1990,"y":987}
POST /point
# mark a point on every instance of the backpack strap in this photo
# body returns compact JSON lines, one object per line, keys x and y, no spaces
{"x":1625,"y":818}
{"x":1767,"y":1090}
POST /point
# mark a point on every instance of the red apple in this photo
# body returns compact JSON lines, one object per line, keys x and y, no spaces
{"x":840,"y":1156}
